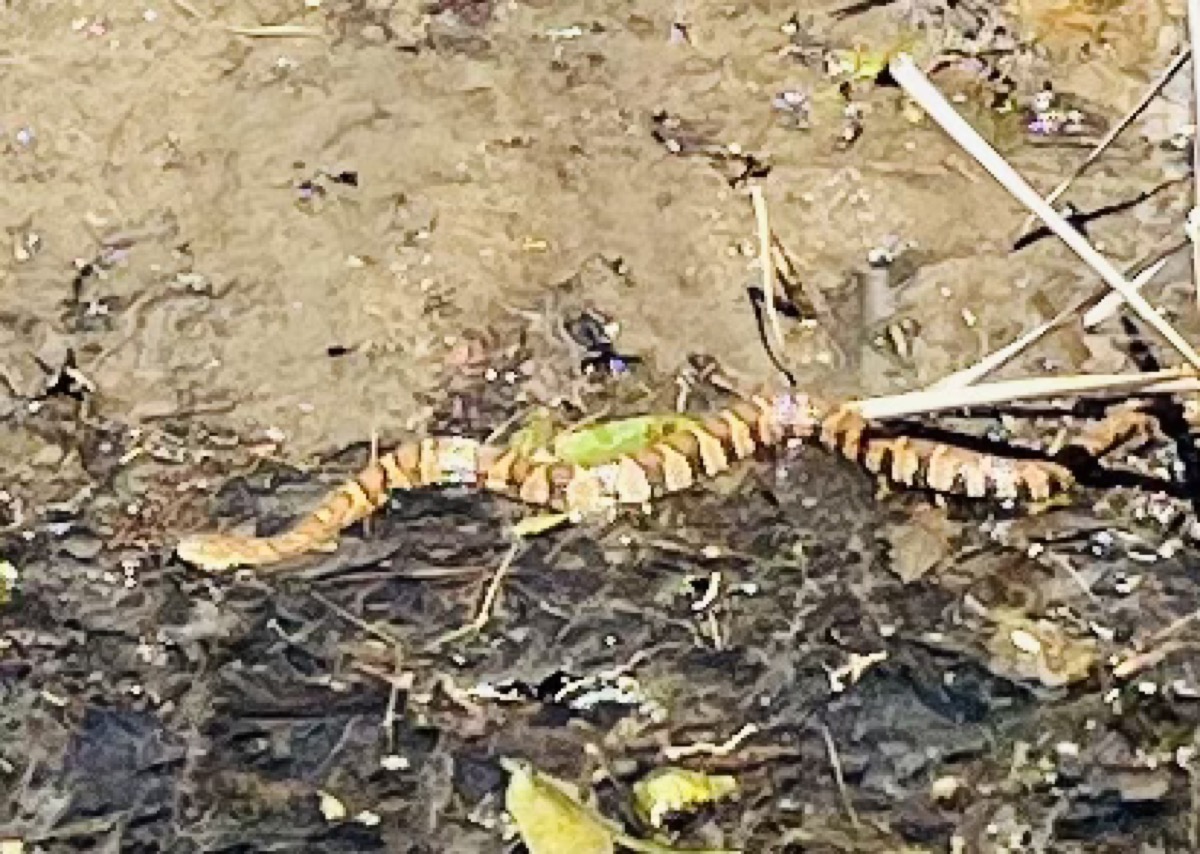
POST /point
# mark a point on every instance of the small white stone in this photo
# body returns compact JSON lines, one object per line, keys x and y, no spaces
{"x":944,"y":788}
{"x":331,"y":807}
{"x":1025,"y":642}
{"x":395,"y":762}
{"x":1067,"y":749}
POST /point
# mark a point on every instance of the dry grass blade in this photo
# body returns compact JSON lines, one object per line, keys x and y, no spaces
{"x":188,"y":8}
{"x":1117,"y":129}
{"x":1158,"y":647}
{"x":999,"y":358}
{"x":1113,"y":301}
{"x":937,"y":400}
{"x":277,"y":31}
{"x":767,"y":260}
{"x":1096,"y":315}
{"x":920,"y":89}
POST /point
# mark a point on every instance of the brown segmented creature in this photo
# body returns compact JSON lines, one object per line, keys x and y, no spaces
{"x":675,"y":462}
{"x":666,"y":466}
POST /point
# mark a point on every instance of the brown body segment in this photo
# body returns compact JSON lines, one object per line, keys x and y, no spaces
{"x":710,"y":451}
{"x":535,"y":486}
{"x":1118,"y":429}
{"x":676,"y":469}
{"x":351,"y":502}
{"x":940,"y":467}
{"x":741,"y":435}
{"x":671,"y":464}
{"x":498,"y":476}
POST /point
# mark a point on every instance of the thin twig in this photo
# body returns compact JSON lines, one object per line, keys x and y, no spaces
{"x":384,"y":635}
{"x":277,"y":31}
{"x":485,"y":607}
{"x":920,"y":89}
{"x":1158,"y":647}
{"x":371,"y":464}
{"x":1101,"y":311}
{"x":767,"y":261}
{"x":388,"y":723}
{"x":188,"y":7}
{"x":708,"y":748}
{"x":838,"y":776}
{"x":1117,"y":129}
{"x":787,"y":265}
{"x":926,"y":401}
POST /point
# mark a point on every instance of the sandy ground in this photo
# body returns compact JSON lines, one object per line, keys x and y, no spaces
{"x":491,"y":166}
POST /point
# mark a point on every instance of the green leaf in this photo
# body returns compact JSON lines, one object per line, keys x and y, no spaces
{"x":602,"y":443}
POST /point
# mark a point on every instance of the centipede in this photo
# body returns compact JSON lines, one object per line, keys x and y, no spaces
{"x":675,"y":461}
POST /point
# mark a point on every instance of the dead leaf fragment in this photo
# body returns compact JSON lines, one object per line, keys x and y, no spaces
{"x":1038,"y":650}
{"x":667,"y":791}
{"x":921,"y":543}
{"x":549,"y":819}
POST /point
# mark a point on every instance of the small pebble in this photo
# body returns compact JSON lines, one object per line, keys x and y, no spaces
{"x":48,"y":457}
{"x":395,"y":762}
{"x":373,"y":33}
{"x":1067,"y":749}
{"x":1025,"y":641}
{"x":331,"y":807}
{"x":944,"y":788}
{"x":82,"y":546}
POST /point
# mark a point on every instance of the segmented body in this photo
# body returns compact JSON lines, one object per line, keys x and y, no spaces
{"x":668,"y":463}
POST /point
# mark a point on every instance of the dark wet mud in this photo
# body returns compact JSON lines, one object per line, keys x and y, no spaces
{"x":236,"y":261}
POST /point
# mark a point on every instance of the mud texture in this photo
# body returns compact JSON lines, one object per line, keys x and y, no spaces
{"x":233,"y":261}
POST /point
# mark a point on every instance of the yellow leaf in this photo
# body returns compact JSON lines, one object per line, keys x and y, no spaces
{"x":550,"y":820}
{"x":532,"y":526}
{"x":674,"y":790}
{"x":535,"y":434}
